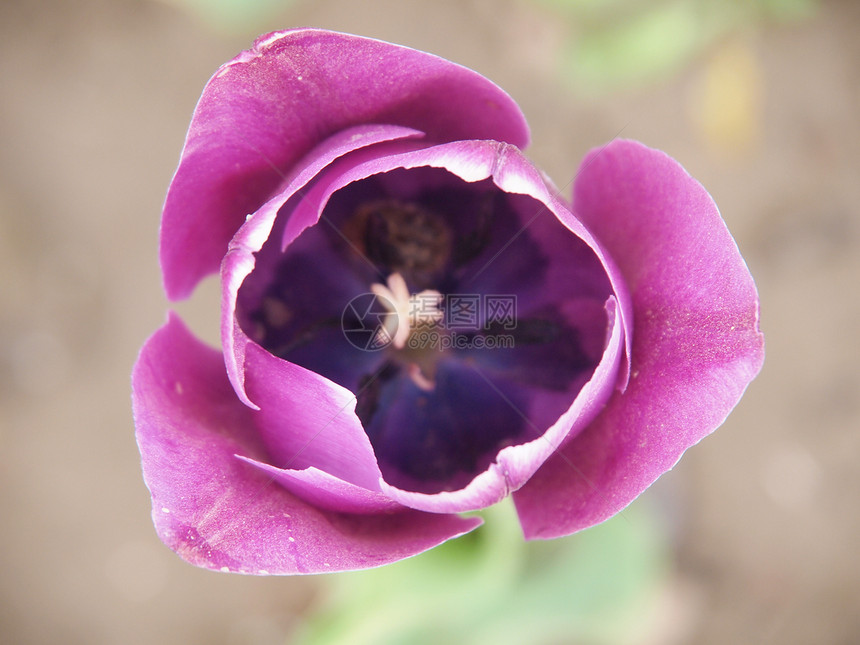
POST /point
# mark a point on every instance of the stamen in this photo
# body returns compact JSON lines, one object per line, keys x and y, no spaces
{"x":421,"y":308}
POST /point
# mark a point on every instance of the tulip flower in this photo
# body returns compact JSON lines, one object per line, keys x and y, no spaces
{"x":415,"y":322}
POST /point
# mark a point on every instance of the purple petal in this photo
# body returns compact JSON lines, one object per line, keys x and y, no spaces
{"x":696,"y":339}
{"x":307,"y":420}
{"x":240,"y":261}
{"x":218,"y":512}
{"x":265,"y":109}
{"x":326,"y":491}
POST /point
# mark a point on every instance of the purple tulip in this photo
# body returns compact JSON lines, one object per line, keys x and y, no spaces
{"x":414,"y":323}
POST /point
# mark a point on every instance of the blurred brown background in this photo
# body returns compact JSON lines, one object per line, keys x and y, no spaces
{"x":94,"y":103}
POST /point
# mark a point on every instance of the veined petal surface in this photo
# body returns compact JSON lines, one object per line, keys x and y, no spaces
{"x":218,"y":511}
{"x":696,"y":341}
{"x":265,"y":109}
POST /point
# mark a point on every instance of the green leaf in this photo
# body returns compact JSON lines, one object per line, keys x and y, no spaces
{"x":492,"y":586}
{"x":234,"y":16}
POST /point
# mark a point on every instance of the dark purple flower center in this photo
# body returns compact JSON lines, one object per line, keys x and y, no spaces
{"x":504,"y":333}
